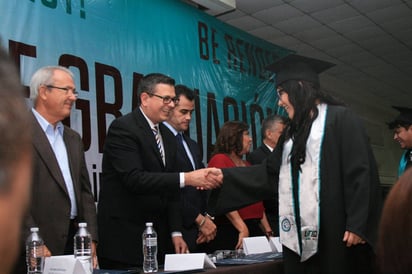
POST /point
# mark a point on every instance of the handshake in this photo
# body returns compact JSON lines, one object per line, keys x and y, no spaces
{"x":205,"y":178}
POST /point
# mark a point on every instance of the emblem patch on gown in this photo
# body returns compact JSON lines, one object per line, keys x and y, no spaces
{"x":310,"y":234}
{"x":285,"y":224}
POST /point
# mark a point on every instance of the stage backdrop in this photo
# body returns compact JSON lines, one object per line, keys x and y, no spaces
{"x":110,"y":44}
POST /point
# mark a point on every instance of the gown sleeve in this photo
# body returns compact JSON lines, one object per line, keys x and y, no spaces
{"x":243,"y":186}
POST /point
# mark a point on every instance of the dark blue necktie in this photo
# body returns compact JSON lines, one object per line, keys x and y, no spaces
{"x":182,"y":158}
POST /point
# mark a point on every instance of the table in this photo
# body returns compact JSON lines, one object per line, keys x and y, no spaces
{"x":272,"y":267}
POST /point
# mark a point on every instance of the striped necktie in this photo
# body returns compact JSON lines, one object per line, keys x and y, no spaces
{"x":158,"y":142}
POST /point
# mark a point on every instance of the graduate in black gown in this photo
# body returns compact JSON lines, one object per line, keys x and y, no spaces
{"x":330,"y":198}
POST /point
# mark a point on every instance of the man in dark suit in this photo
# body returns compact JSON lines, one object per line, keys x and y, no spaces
{"x":272,"y":128}
{"x":198,"y":226}
{"x":139,"y":184}
{"x":61,"y":191}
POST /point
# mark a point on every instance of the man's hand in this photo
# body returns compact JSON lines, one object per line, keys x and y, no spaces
{"x":352,"y":239}
{"x":94,"y":255}
{"x":46,"y":251}
{"x":205,"y":178}
{"x":207,"y":231}
{"x":180,"y":245}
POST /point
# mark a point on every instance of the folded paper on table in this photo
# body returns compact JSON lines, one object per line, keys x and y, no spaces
{"x":256,"y":245}
{"x":180,"y":262}
{"x":65,"y":264}
{"x":275,"y":244}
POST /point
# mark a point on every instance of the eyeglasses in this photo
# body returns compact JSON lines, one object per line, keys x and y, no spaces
{"x":166,"y":99}
{"x":66,"y":90}
{"x":280,"y":91}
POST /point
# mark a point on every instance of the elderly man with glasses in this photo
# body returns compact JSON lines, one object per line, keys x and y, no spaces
{"x":61,"y":195}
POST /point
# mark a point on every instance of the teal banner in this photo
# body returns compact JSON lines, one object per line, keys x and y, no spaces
{"x":110,"y":44}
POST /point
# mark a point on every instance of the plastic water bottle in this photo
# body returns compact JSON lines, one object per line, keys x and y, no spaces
{"x":149,"y":239}
{"x":34,"y":252}
{"x":83,"y":247}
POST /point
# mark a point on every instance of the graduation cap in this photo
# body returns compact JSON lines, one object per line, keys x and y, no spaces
{"x":404,"y":117}
{"x":297,"y":67}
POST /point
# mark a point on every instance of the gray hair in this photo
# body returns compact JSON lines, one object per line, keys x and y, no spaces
{"x":270,"y":121}
{"x":44,"y":76}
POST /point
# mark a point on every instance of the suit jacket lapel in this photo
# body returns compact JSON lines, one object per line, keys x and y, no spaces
{"x":169,"y":144}
{"x":45,"y":152}
{"x":148,"y":134}
{"x":193,"y":150}
{"x":266,"y":150}
{"x":73,"y":158}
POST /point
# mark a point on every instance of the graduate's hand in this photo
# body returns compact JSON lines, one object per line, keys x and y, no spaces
{"x":180,"y":245}
{"x":205,"y":178}
{"x":352,"y":239}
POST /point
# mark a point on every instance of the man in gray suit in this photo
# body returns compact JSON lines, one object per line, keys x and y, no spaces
{"x":61,"y":190}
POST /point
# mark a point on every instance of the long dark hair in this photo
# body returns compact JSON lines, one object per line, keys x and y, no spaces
{"x":304,"y":96}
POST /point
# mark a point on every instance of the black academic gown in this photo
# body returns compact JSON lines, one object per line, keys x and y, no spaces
{"x":350,"y":196}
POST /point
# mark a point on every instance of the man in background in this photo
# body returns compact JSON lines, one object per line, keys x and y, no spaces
{"x":402,"y":133}
{"x":15,"y":161}
{"x":61,"y":192}
{"x":272,"y":128}
{"x":198,"y":226}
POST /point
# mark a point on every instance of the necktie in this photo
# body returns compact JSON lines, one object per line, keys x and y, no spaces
{"x":186,"y":164}
{"x":158,"y":142}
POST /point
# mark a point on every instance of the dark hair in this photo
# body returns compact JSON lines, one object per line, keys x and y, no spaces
{"x":395,"y":229}
{"x":15,"y":126}
{"x":304,"y":96}
{"x":148,"y":82}
{"x":184,"y":91}
{"x":398,"y":123}
{"x":270,"y":121}
{"x":230,"y":137}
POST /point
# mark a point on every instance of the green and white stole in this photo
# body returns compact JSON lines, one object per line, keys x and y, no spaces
{"x":308,"y":192}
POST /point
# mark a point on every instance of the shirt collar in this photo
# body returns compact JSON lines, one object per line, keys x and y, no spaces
{"x":172,"y":129}
{"x":151,"y":124}
{"x":44,"y":124}
{"x":269,"y":147}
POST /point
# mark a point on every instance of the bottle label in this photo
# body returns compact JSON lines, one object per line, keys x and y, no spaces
{"x":151,"y":241}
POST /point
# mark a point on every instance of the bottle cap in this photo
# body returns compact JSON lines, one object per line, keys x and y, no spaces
{"x":149,"y":224}
{"x":82,"y":224}
{"x":34,"y":229}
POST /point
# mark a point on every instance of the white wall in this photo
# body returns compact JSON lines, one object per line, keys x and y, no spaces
{"x":375,"y":113}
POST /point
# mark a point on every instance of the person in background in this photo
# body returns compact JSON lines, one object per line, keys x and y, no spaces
{"x":272,"y":129}
{"x":15,"y":161}
{"x":198,"y":226}
{"x":395,"y":229}
{"x":61,"y":195}
{"x":330,"y":198}
{"x":232,"y":143}
{"x":402,"y":133}
{"x":139,"y":183}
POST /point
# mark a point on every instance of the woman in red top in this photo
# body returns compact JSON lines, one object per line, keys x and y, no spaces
{"x":233,"y":142}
